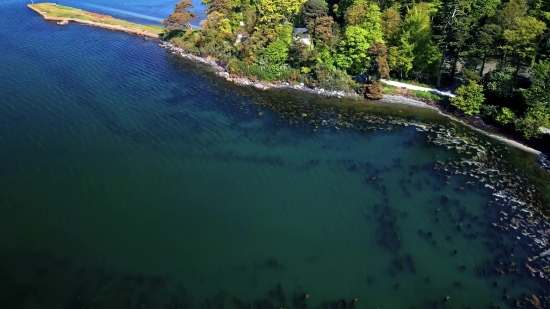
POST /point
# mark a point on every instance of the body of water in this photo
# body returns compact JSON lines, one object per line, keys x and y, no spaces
{"x":130,"y":178}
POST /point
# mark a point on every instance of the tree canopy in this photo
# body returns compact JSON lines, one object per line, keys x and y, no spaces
{"x":497,"y":50}
{"x":469,"y":98}
{"x":181,"y":18}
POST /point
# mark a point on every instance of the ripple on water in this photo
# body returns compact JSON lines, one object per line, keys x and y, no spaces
{"x":145,"y":182}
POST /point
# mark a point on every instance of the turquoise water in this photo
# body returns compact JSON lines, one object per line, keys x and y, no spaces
{"x":133,"y":179}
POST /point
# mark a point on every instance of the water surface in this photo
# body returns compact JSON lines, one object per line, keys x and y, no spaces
{"x":131,"y":178}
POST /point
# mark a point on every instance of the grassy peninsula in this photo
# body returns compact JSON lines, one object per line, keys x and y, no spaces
{"x":64,"y":13}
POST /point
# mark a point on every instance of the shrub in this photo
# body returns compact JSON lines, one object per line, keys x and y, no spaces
{"x":469,"y":98}
{"x":267,"y":73}
{"x":501,"y":83}
{"x":471,"y":75}
{"x":373,"y":91}
{"x":505,"y":116}
{"x":289,"y":74}
{"x":534,"y":118}
{"x":489,"y":110}
{"x":337,"y":80}
{"x":277,"y":52}
{"x":222,"y":51}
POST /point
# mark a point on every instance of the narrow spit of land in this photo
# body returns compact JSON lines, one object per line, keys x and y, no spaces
{"x":65,"y":14}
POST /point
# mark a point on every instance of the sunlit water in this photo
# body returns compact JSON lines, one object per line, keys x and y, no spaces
{"x":132,"y":179}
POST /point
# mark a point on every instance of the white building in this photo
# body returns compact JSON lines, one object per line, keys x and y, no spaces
{"x":302,"y":35}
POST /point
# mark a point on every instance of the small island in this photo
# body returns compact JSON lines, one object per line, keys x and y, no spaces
{"x":65,"y":14}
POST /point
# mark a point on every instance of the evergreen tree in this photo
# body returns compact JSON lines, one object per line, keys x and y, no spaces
{"x":312,"y":10}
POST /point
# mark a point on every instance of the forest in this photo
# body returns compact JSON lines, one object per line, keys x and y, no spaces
{"x":497,"y":52}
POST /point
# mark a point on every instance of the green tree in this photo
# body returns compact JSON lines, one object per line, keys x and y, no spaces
{"x":301,"y":55}
{"x":391,"y":24}
{"x":401,"y":57}
{"x":532,"y":121}
{"x":326,"y":58}
{"x":505,"y":116}
{"x":538,"y":95}
{"x":373,"y":20}
{"x":221,"y":6}
{"x":312,"y":10}
{"x":486,"y":40}
{"x":501,"y":83}
{"x":452,"y":24}
{"x":341,"y":7}
{"x":417,"y":33}
{"x":181,"y":18}
{"x":277,"y":52}
{"x":483,"y":8}
{"x":274,"y":11}
{"x":251,"y":18}
{"x":521,"y":38}
{"x":356,"y":14}
{"x":362,"y":30}
{"x":353,"y":49}
{"x":216,"y":27}
{"x":469,"y":98}
{"x":510,"y":12}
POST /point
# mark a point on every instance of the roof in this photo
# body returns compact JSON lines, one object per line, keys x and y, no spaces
{"x":301,"y":33}
{"x":298,"y":30}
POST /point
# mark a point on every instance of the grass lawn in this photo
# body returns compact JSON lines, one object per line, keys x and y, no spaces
{"x":69,"y":12}
{"x":389,"y":89}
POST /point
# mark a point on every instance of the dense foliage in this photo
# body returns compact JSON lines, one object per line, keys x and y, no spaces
{"x":499,"y":50}
{"x":469,"y":98}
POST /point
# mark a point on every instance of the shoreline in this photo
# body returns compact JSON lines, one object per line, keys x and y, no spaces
{"x":94,"y":24}
{"x":389,"y":99}
{"x":243,"y":81}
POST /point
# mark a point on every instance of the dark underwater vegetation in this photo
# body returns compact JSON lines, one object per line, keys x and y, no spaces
{"x":131,"y":178}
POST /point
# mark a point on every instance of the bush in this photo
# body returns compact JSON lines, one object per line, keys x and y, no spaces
{"x":469,"y":98}
{"x":331,"y":79}
{"x":266,"y":73}
{"x":222,"y":51}
{"x":470,"y":75}
{"x":277,"y":52}
{"x":489,"y":110}
{"x":534,"y":118}
{"x":505,"y":116}
{"x":501,"y":83}
{"x":289,"y":74}
{"x":373,"y":91}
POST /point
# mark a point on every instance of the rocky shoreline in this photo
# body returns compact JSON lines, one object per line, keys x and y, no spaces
{"x":391,"y":99}
{"x":243,"y":81}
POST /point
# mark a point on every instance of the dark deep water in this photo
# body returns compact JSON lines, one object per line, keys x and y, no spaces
{"x":132,"y":179}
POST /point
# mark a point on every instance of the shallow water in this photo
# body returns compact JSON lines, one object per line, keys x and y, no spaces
{"x":131,"y":178}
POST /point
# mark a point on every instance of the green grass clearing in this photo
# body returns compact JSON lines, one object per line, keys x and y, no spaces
{"x":426,"y":95}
